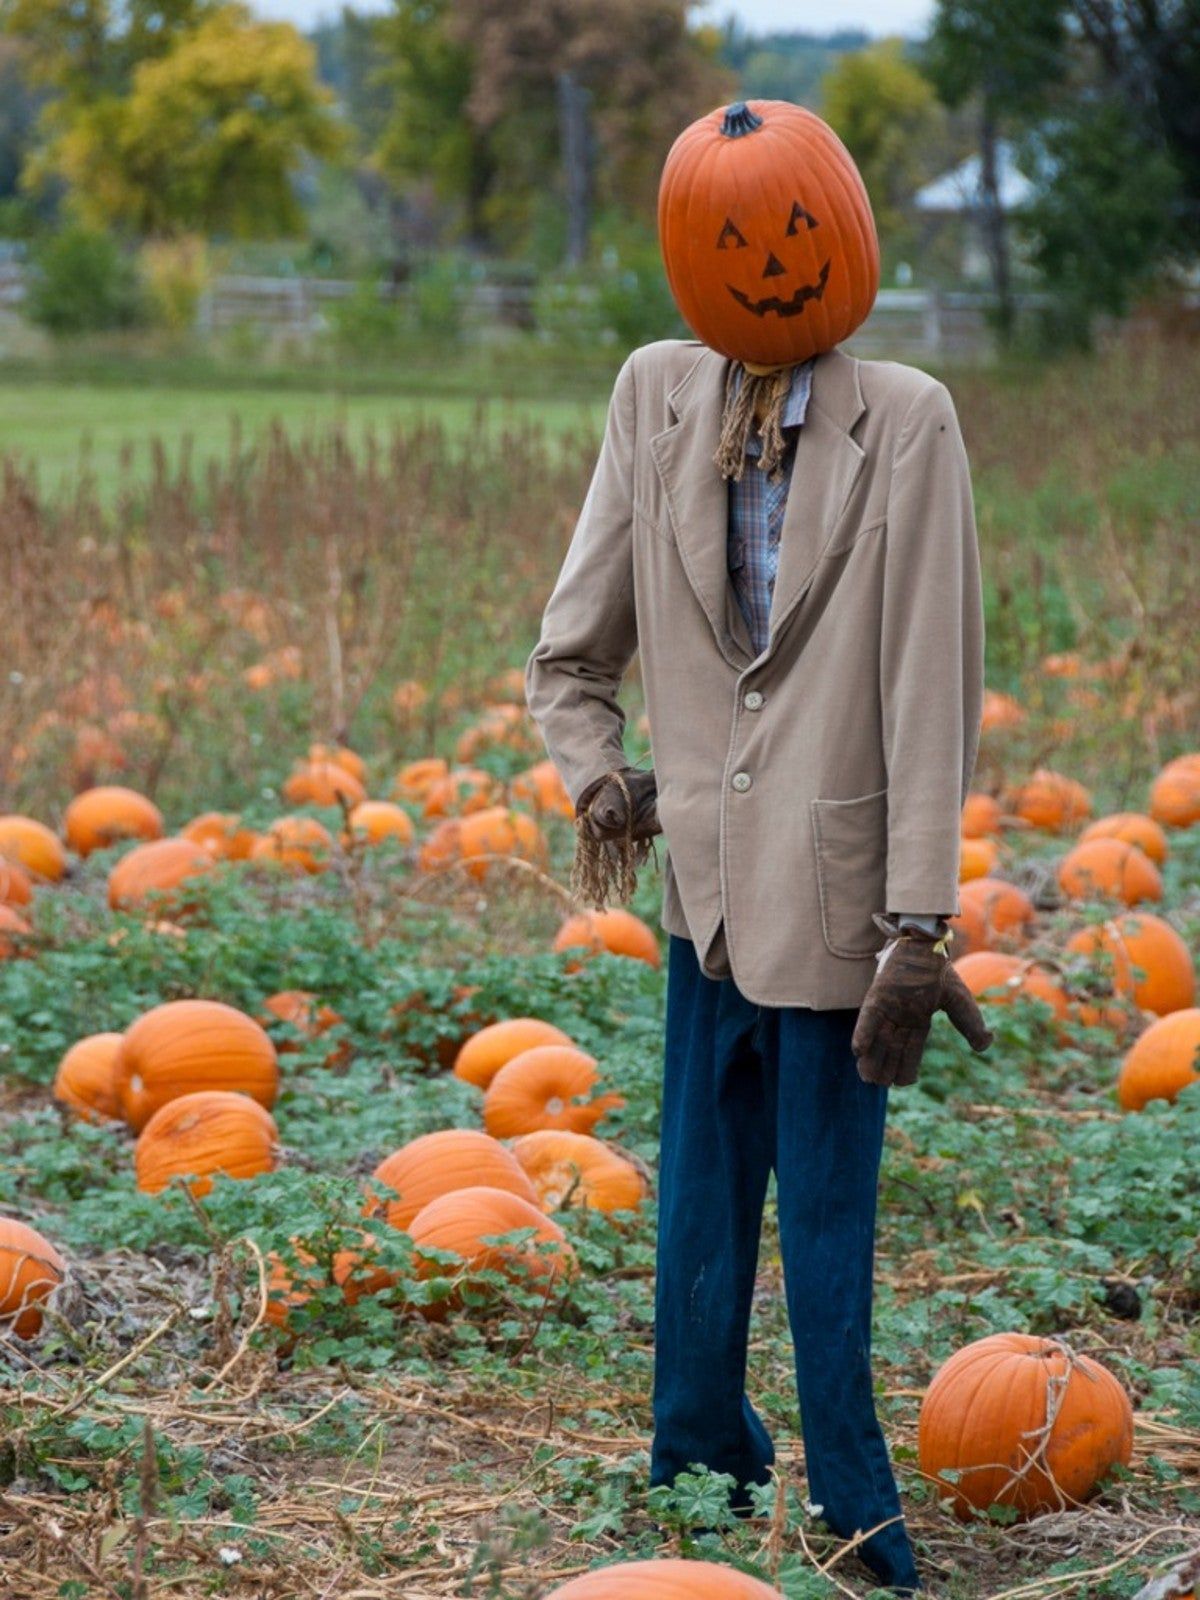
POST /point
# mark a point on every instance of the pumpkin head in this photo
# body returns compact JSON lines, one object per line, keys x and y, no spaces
{"x":766,"y":233}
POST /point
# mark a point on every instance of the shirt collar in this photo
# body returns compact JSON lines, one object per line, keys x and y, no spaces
{"x":795,"y":407}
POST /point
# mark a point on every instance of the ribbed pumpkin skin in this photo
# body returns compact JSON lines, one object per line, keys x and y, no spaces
{"x":993,"y":1391}
{"x":1109,"y":869}
{"x":1134,"y":827}
{"x":664,"y":1580}
{"x":754,"y":182}
{"x":1052,"y":801}
{"x":159,"y":868}
{"x":992,"y":912}
{"x":1163,"y":1062}
{"x":100,"y":817}
{"x":579,"y":1171}
{"x":86,"y":1080}
{"x":188,"y":1045}
{"x":460,"y":1221}
{"x":1001,"y":979}
{"x":374,"y":821}
{"x":540,"y":1088}
{"x":1140,"y":941}
{"x":1174,"y":795}
{"x":198,"y":1135}
{"x":30,"y":1270}
{"x":980,"y":815}
{"x":440,"y":1163}
{"x":32,"y":846}
{"x":617,"y":931}
{"x":485,"y":1052}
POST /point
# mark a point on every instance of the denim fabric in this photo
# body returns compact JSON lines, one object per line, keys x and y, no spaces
{"x":756,"y":507}
{"x":748,"y":1088}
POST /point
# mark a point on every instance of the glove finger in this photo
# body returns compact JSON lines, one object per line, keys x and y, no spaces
{"x":866,"y":1029}
{"x":911,"y":1051}
{"x":872,"y":1069}
{"x":959,"y":1005}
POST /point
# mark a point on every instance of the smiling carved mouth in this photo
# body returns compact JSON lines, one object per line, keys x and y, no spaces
{"x":783,"y":308}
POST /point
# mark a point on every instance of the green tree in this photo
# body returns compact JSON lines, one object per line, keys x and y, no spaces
{"x":888,"y":116}
{"x":82,"y":283}
{"x":208,"y":137}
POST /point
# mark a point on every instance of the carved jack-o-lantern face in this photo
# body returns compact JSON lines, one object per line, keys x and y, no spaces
{"x":766,"y":233}
{"x":785,"y":298}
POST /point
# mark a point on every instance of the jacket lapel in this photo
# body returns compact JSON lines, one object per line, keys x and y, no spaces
{"x":826,"y":466}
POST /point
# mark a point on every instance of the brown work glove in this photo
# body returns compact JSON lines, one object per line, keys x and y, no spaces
{"x":606,"y":810}
{"x":616,"y":818}
{"x":915,"y":978}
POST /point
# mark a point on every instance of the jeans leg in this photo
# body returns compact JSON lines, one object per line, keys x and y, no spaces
{"x":830,"y":1140}
{"x":716,"y":1157}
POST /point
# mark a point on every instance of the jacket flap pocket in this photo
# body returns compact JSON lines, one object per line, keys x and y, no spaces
{"x":850,"y":838}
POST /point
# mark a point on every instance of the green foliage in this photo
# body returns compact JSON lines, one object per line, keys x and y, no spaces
{"x":621,"y":298}
{"x":1105,"y":215}
{"x":438,"y":293}
{"x":83,"y":282}
{"x":364,"y":323}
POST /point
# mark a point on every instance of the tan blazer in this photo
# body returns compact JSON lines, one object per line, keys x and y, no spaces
{"x":805,"y":788}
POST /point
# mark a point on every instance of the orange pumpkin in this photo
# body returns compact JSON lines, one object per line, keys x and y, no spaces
{"x":985,"y":1418}
{"x":1174,"y":795}
{"x":1163,"y":1062}
{"x":508,"y":685}
{"x":30,"y":1271}
{"x":978,"y":859}
{"x":414,"y":781}
{"x":157,"y":870}
{"x":549,"y":1086}
{"x":669,"y":1579}
{"x":187,"y":1045}
{"x":355,"y":1273}
{"x":496,"y":831}
{"x":541,"y":787}
{"x":295,"y":844}
{"x":375,"y":821}
{"x":617,"y":931}
{"x":573,"y":1169}
{"x":323,"y":783}
{"x":766,"y":233}
{"x":981,"y":815}
{"x":462,"y":790}
{"x":341,"y":756}
{"x":1051,"y":801}
{"x":221,"y":834}
{"x":434,"y":1164}
{"x":1133,"y":827}
{"x":462,"y":1222}
{"x":1001,"y":979}
{"x":485,"y":1052}
{"x":32,"y":846}
{"x":86,"y":1078}
{"x":1138,"y":941}
{"x":198,"y":1135}
{"x":299,"y":1009}
{"x":101,"y":817}
{"x":1000,"y":711}
{"x":1109,"y":869}
{"x":15,"y":887}
{"x":14,"y":930}
{"x":991,"y":912}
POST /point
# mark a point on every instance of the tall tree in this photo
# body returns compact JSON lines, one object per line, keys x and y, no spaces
{"x":208,"y":137}
{"x":1005,"y":57}
{"x":888,"y":116}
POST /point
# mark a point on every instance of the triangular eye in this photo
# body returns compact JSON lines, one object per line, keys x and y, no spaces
{"x":800,"y":215}
{"x":730,"y":233}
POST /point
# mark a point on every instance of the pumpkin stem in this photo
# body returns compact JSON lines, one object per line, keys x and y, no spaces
{"x":739,"y":119}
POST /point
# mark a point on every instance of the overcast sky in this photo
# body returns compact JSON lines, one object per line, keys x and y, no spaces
{"x":876,"y":16}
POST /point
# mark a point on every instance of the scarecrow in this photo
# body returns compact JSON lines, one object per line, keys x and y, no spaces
{"x":785,"y":535}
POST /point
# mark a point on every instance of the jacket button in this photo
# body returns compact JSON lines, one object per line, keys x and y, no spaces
{"x":741,"y":781}
{"x":753,"y":700}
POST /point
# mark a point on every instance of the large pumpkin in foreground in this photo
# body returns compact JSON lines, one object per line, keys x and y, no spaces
{"x":188,"y":1045}
{"x":199,"y":1135}
{"x":671,"y":1579}
{"x":766,"y":233}
{"x":984,"y":1418}
{"x":434,"y":1164}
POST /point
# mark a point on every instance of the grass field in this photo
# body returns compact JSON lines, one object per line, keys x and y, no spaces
{"x":178,"y":1427}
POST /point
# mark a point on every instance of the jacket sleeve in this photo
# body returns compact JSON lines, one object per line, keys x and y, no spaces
{"x":589,"y":631}
{"x":931,"y":670}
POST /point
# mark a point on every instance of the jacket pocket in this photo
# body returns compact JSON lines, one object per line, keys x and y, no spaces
{"x":850,"y":838}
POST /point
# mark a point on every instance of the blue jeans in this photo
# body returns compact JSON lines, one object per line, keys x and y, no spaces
{"x":748,"y":1088}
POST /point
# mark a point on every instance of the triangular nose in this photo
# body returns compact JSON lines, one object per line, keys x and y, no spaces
{"x":773,"y":267}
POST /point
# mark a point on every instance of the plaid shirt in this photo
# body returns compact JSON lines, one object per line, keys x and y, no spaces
{"x":756,"y":508}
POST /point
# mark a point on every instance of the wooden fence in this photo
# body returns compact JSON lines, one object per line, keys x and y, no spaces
{"x":904,"y":322}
